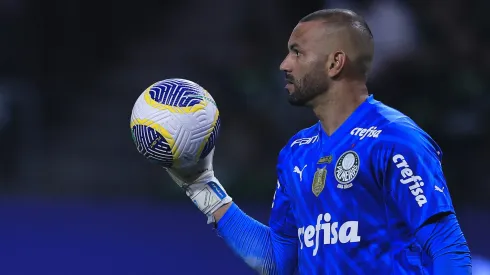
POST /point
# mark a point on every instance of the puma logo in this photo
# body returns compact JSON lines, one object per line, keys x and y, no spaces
{"x":299,"y":172}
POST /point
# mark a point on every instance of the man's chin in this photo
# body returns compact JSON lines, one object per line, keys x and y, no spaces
{"x":295,"y":101}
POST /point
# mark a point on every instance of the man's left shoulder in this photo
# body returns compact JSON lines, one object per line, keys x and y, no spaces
{"x":387,"y":126}
{"x":405,"y":133}
{"x":384,"y":124}
{"x":405,"y":129}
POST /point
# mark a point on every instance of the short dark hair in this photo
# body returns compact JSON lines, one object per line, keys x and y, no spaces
{"x":341,"y":16}
{"x":356,"y":24}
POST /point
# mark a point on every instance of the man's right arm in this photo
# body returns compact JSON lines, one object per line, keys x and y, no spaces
{"x":268,"y":250}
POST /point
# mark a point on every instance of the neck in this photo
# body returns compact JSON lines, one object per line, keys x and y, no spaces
{"x":335,"y":106}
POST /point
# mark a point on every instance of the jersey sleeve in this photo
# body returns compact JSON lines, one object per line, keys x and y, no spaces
{"x":413,"y":178}
{"x":268,"y":250}
{"x":282,"y":218}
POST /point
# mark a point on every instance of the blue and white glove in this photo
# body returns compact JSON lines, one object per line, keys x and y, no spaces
{"x":200,"y":184}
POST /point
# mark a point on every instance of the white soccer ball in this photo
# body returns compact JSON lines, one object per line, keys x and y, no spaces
{"x":174,"y":123}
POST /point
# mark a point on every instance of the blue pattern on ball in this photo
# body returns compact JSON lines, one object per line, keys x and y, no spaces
{"x":152,"y":145}
{"x":211,"y":140}
{"x":177,"y":93}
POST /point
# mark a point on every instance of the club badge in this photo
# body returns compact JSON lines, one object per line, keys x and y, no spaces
{"x":346,"y":169}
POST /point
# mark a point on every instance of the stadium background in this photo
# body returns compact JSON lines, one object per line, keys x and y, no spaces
{"x":76,"y":198}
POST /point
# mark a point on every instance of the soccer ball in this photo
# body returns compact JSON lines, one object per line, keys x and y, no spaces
{"x":175,"y":123}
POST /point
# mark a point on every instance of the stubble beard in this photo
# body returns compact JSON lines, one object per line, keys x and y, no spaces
{"x":308,"y":88}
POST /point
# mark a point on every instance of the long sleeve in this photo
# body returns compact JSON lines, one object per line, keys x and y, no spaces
{"x":444,"y":242}
{"x":269,"y":249}
{"x":417,"y":186}
{"x":263,"y":249}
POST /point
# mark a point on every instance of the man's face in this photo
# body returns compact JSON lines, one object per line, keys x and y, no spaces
{"x":304,"y":66}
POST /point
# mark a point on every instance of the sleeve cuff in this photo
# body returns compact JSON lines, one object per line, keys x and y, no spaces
{"x":229,"y":214}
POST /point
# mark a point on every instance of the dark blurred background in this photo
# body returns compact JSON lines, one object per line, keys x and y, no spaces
{"x":77,"y":198}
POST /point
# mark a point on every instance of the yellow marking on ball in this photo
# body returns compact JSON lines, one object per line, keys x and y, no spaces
{"x":174,"y":109}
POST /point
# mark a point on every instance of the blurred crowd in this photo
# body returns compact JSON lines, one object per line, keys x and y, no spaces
{"x":70,"y":72}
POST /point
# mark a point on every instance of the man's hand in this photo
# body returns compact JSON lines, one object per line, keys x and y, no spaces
{"x":200,"y":184}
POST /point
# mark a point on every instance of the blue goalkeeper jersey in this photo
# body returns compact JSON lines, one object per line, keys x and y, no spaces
{"x":355,"y":199}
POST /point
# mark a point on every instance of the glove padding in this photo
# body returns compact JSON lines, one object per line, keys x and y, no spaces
{"x":200,"y":184}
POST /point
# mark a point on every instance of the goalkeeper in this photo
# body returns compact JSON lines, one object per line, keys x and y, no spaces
{"x":360,"y":192}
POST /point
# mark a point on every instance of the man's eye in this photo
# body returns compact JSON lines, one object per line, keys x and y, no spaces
{"x":296,"y":52}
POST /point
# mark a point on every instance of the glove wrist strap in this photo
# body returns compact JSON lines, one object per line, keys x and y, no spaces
{"x":208,"y":196}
